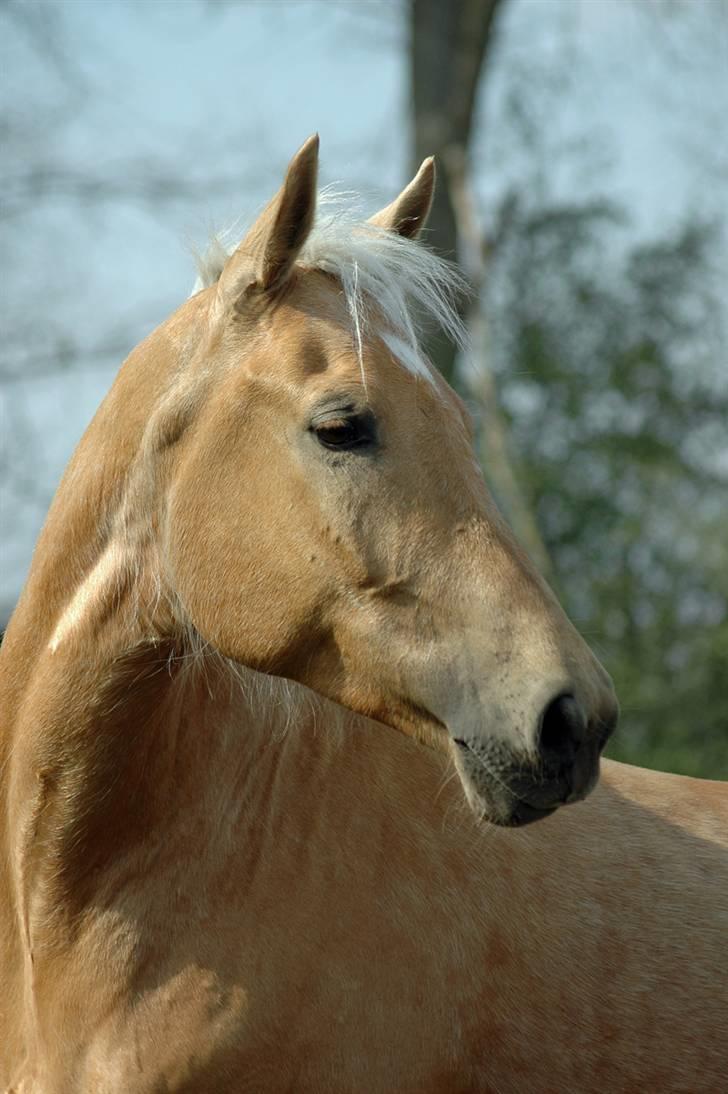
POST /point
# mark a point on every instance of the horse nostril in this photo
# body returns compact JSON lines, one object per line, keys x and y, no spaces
{"x":563,"y":728}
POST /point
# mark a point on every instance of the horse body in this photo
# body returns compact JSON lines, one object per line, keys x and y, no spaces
{"x":305,"y":904}
{"x":221,"y":880}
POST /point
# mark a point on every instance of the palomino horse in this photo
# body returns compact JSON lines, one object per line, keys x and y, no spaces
{"x":216,"y":879}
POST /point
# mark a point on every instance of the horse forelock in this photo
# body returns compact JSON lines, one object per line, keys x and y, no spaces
{"x":392,"y":285}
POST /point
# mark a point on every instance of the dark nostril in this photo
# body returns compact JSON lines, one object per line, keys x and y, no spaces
{"x":563,"y":728}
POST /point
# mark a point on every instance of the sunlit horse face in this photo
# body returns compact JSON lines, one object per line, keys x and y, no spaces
{"x":327,"y":522}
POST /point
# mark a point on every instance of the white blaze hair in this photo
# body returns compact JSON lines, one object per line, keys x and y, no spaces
{"x":382,"y":274}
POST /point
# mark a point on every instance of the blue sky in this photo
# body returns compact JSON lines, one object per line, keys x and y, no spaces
{"x":228,"y":91}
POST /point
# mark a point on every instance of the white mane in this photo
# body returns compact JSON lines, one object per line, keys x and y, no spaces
{"x":407,"y":282}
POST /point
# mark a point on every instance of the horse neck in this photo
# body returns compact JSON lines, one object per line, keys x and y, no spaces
{"x":95,"y":548}
{"x":162,"y":740}
{"x":90,"y":619}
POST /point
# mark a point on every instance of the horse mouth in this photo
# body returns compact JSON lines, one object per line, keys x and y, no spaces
{"x":492,"y":798}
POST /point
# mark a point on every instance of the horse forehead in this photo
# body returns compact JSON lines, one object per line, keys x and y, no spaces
{"x":314,"y":345}
{"x":301,"y":346}
{"x":324,"y":359}
{"x":314,"y":307}
{"x":309,"y":339}
{"x":296,"y":341}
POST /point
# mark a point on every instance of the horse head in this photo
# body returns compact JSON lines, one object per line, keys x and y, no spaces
{"x":307,"y":487}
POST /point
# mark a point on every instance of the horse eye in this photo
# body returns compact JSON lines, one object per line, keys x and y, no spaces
{"x":344,"y":433}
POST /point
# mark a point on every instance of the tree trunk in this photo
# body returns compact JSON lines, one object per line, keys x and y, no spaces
{"x":479,"y":378}
{"x":449,"y":40}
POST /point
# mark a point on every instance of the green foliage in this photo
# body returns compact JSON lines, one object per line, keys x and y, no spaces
{"x":611,"y":369}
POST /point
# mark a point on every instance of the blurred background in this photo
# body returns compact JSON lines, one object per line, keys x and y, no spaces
{"x":583,"y":156}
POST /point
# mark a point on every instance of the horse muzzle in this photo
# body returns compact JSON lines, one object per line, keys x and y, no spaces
{"x":512,"y":788}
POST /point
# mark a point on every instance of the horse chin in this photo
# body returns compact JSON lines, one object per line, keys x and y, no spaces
{"x":523,"y":814}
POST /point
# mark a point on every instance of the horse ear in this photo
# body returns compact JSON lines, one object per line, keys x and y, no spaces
{"x":269,"y":251}
{"x":408,"y":213}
